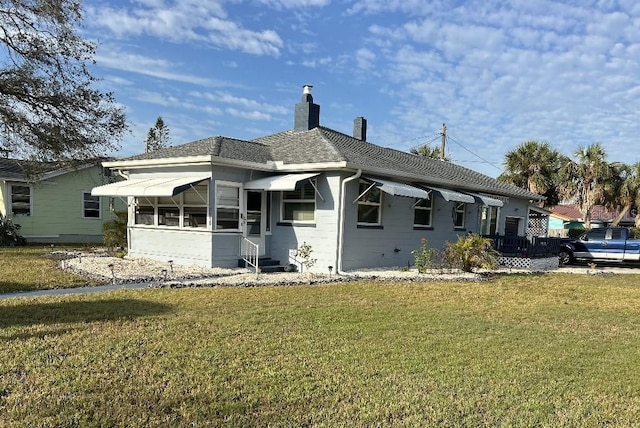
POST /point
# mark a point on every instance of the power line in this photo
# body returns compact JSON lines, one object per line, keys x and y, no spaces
{"x":474,"y":154}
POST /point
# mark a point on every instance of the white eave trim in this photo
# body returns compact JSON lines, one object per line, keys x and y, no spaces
{"x":186,"y":160}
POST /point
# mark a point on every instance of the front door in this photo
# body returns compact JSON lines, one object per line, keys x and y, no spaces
{"x":254,"y":226}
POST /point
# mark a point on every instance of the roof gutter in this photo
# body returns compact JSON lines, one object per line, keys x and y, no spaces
{"x":343,"y":198}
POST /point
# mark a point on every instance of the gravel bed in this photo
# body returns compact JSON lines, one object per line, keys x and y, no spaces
{"x":100,"y":267}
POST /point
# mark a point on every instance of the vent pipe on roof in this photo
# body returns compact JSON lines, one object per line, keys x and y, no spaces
{"x":307,"y":113}
{"x":360,"y":128}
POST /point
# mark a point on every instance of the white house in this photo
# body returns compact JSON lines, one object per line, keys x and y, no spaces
{"x":357,"y":204}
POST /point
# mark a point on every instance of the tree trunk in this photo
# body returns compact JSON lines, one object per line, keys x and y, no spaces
{"x":623,"y":212}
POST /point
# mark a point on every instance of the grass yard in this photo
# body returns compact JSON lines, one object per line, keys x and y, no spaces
{"x":28,"y":268}
{"x":537,"y":350}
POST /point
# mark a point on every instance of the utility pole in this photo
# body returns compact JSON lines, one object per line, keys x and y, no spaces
{"x":444,"y":140}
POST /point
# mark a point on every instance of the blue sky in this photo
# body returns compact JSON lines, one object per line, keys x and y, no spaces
{"x":497,"y":73}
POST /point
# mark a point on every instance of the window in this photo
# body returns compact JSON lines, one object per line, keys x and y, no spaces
{"x":596,"y":234}
{"x":422,"y":212}
{"x":489,"y":220}
{"x":458,"y":215}
{"x":90,"y":205}
{"x":299,"y":205}
{"x":187,"y":209}
{"x":369,"y":204}
{"x":227,"y":206}
{"x":20,"y":199}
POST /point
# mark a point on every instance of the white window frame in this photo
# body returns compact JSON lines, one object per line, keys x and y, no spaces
{"x":84,"y":206}
{"x":28,"y":186}
{"x":459,"y":208}
{"x":300,"y":200}
{"x":362,"y":202}
{"x":238,"y":207}
{"x":417,"y":207}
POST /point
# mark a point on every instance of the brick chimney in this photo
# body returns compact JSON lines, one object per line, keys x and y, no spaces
{"x":307,"y":114}
{"x":360,"y":128}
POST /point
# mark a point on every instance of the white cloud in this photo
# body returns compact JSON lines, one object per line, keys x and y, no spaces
{"x":186,"y":21}
{"x":245,"y":103}
{"x":365,"y":58}
{"x":244,"y":114}
{"x":295,"y":4}
{"x":153,"y":67}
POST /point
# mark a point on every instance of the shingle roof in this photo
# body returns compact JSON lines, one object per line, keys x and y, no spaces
{"x":21,"y":169}
{"x":323,"y":145}
{"x":224,"y":147}
{"x":326,"y":145}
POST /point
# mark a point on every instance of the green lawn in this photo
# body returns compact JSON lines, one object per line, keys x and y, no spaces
{"x":538,"y":350}
{"x":29,"y":268}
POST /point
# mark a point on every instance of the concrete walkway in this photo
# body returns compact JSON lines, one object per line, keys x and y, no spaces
{"x":79,"y":290}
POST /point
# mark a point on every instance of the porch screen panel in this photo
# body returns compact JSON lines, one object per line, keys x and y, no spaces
{"x":195,"y":202}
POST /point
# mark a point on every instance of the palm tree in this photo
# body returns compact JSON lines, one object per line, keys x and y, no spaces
{"x":533,"y":166}
{"x":427,"y":151}
{"x":627,"y":192}
{"x":585,"y":181}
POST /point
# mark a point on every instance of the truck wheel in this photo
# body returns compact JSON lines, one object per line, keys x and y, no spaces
{"x":565,"y":258}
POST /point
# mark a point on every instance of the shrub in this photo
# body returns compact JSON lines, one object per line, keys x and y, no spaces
{"x":423,"y":256}
{"x":304,"y":253}
{"x":634,"y":232}
{"x":10,"y":233}
{"x":469,"y":252}
{"x":115,"y":230}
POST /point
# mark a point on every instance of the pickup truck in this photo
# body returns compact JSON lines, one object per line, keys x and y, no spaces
{"x":607,"y":243}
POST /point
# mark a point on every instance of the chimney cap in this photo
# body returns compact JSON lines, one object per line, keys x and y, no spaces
{"x":306,"y":89}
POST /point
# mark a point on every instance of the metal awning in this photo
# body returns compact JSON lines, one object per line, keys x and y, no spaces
{"x":164,"y":186}
{"x":450,"y":195}
{"x":398,"y":189}
{"x":278,"y":182}
{"x":486,"y":200}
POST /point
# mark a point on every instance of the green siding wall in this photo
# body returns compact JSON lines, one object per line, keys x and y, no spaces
{"x":57,"y":208}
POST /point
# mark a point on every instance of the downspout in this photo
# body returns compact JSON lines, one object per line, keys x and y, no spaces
{"x":343,"y":198}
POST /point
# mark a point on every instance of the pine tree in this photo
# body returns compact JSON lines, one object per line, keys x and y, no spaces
{"x":157,"y":137}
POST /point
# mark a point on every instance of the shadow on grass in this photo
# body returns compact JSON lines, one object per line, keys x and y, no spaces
{"x":79,"y":312}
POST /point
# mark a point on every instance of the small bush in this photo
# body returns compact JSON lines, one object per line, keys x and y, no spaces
{"x":115,"y":231}
{"x":423,"y":256}
{"x":469,"y":252}
{"x":10,"y":233}
{"x":304,"y":253}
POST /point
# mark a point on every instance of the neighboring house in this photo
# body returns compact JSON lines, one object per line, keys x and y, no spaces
{"x":53,"y":204}
{"x":564,"y":217}
{"x":357,"y":204}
